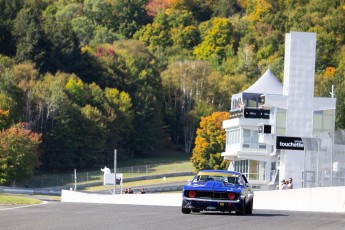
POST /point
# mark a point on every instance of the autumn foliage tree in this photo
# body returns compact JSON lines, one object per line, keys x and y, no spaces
{"x":217,"y":36}
{"x":153,"y":7}
{"x":18,"y":153}
{"x":210,"y":142}
{"x":4,"y":117}
{"x":193,"y":55}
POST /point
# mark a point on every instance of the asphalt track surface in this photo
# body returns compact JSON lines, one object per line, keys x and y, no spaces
{"x":56,"y":215}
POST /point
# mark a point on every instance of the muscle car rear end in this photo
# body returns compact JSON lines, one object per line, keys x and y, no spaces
{"x":218,"y":190}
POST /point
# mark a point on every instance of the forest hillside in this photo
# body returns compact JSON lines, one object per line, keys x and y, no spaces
{"x":79,"y":78}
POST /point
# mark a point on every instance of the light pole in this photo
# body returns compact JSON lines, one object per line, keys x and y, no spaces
{"x":115,"y":153}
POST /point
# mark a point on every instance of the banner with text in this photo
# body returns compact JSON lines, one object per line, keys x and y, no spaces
{"x":292,"y":143}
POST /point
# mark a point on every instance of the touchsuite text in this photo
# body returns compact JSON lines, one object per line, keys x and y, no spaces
{"x":292,"y":144}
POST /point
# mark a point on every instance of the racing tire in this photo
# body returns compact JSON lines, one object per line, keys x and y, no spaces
{"x":195,"y":210}
{"x":249,"y":207}
{"x":242,"y":210}
{"x":186,"y":210}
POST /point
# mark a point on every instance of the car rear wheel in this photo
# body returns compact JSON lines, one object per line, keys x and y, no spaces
{"x":195,"y":210}
{"x":241,"y":210}
{"x":186,"y":210}
{"x":249,"y":207}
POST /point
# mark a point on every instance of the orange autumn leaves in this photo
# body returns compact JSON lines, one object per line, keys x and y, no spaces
{"x":210,"y":143}
{"x":18,"y":153}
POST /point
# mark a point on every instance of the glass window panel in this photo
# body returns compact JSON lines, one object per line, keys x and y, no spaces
{"x":328,"y":120}
{"x":246,"y":136}
{"x":317,"y":120}
{"x":281,"y":121}
{"x":254,"y":142}
{"x":253,"y":170}
{"x":253,"y":166}
{"x":262,"y":170}
{"x":323,"y":121}
{"x":233,"y":136}
{"x":252,"y":104}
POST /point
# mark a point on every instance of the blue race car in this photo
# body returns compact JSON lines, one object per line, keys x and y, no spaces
{"x":218,"y":190}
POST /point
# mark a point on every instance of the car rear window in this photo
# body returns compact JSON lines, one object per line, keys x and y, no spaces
{"x":217,"y":176}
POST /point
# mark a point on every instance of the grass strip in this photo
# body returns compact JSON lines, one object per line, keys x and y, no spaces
{"x":17,"y":200}
{"x":144,"y":183}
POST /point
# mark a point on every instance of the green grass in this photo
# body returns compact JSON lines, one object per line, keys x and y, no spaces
{"x":156,"y":157}
{"x":162,"y":168}
{"x":144,"y":183}
{"x":17,"y":200}
{"x":130,"y":172}
{"x":158,"y":162}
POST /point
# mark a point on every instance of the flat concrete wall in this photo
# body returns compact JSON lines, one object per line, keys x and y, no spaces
{"x":327,"y":199}
{"x":160,"y":199}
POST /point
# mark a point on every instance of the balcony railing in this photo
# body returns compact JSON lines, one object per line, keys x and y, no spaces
{"x":250,"y":113}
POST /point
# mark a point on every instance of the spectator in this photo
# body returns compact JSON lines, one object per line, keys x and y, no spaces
{"x":283,"y":184}
{"x":130,"y":191}
{"x":142,"y":191}
{"x":290,"y":185}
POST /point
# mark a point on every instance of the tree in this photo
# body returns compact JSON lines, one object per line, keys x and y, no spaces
{"x":256,"y":9}
{"x":130,"y":16}
{"x":84,"y":29}
{"x":247,"y":62}
{"x":225,"y":8}
{"x":31,"y":43}
{"x":18,"y":153}
{"x":336,"y":77}
{"x":140,"y":79}
{"x":200,"y":9}
{"x":76,"y":90}
{"x":10,"y":95}
{"x":25,"y":76}
{"x":116,"y":92}
{"x":222,"y":87}
{"x":63,"y":51}
{"x":210,"y":143}
{"x":172,"y":27}
{"x":185,"y":37}
{"x":153,"y":7}
{"x":120,"y":124}
{"x":186,"y":92}
{"x":8,"y":12}
{"x":157,"y":34}
{"x":217,"y":39}
{"x":4,"y":117}
{"x":103,"y":35}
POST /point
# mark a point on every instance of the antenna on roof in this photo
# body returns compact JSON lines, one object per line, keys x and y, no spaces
{"x":332,"y":92}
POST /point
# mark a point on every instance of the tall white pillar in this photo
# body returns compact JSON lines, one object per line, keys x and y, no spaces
{"x":299,"y":75}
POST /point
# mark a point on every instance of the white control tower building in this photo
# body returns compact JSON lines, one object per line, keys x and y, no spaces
{"x":266,"y":126}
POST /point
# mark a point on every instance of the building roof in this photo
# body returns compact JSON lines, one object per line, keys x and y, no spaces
{"x":266,"y":84}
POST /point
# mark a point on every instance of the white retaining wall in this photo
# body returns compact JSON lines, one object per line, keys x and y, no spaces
{"x":326,"y":199}
{"x":157,"y":199}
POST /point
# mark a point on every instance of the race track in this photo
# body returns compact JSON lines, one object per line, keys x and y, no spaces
{"x":57,"y":215}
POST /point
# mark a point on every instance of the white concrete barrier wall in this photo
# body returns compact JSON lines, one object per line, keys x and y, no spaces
{"x":161,"y":199}
{"x":327,"y":199}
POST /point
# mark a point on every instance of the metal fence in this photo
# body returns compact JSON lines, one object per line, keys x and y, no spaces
{"x":324,"y":160}
{"x":96,"y":177}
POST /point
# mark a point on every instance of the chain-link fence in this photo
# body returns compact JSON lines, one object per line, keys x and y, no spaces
{"x":96,"y":177}
{"x":61,"y":180}
{"x":324,"y":163}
